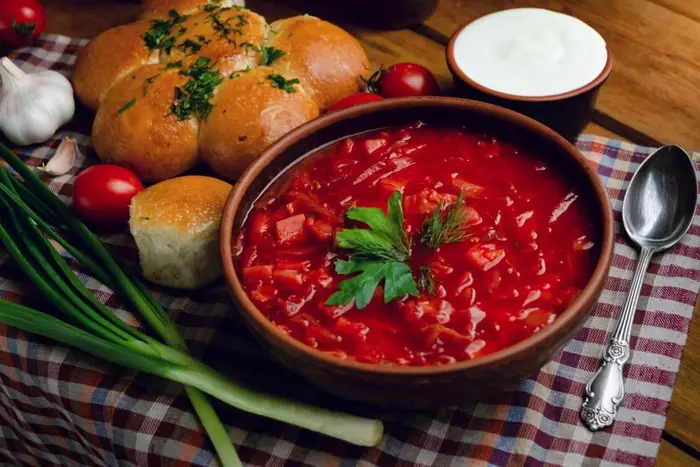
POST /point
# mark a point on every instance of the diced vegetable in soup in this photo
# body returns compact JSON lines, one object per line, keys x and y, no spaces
{"x":417,"y":246}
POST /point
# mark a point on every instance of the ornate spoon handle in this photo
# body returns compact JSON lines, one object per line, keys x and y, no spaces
{"x":605,"y":390}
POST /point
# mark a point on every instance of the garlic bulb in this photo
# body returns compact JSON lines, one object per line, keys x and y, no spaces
{"x":64,"y":158}
{"x":33,"y":105}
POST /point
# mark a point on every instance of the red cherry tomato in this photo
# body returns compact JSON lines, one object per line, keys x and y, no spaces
{"x":355,"y":99}
{"x":102,"y":193}
{"x":407,"y":80}
{"x":21,"y":21}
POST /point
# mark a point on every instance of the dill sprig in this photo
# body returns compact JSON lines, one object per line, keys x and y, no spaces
{"x":447,"y":224}
{"x":426,"y":281}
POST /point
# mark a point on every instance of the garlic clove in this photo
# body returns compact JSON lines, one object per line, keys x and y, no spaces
{"x":64,"y":158}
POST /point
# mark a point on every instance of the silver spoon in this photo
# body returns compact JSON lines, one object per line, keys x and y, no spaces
{"x":657,"y":212}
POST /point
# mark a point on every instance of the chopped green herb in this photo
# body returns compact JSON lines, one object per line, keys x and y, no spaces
{"x":210,"y":7}
{"x":172,"y":65}
{"x":194,"y":97}
{"x":237,"y":73}
{"x":190,"y":45}
{"x":225,"y":29}
{"x":426,"y":282}
{"x":148,"y":82}
{"x":23,"y":30}
{"x":203,"y":39}
{"x":379,"y":254}
{"x":126,"y":106}
{"x":248,"y":46}
{"x":447,"y":224}
{"x":159,"y":36}
{"x":145,"y":218}
{"x":278,"y":81}
{"x":270,"y":54}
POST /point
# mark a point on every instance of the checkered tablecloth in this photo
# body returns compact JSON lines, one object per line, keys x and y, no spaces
{"x":59,"y":406}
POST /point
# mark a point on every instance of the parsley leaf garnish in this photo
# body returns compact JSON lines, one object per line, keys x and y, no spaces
{"x":279,"y":82}
{"x":194,"y":96}
{"x":270,"y":54}
{"x":160,"y":36}
{"x":379,"y":254}
{"x":397,"y":277}
{"x":447,"y":224}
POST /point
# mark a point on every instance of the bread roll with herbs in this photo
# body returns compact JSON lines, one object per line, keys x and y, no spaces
{"x":108,"y":58}
{"x":327,"y":60}
{"x":229,"y":37}
{"x":139,"y":127}
{"x":175,"y":224}
{"x":159,"y":9}
{"x":250,"y":111}
{"x":193,"y":80}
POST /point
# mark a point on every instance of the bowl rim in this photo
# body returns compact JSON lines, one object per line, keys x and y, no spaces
{"x":582,"y":304}
{"x":458,"y":72}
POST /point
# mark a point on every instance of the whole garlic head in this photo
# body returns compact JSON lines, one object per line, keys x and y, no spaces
{"x":33,"y":105}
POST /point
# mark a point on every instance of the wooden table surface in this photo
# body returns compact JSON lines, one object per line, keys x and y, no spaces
{"x":652,"y":97}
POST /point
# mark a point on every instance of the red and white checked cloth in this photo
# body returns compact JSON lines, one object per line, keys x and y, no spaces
{"x":61,"y":407}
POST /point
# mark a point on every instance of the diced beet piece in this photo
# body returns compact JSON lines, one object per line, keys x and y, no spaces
{"x":291,"y":305}
{"x":491,"y":280}
{"x":322,"y":336}
{"x":373,"y":145}
{"x":336,"y":311}
{"x":389,"y":186}
{"x":321,"y":230}
{"x":288,"y":279}
{"x":290,"y":229}
{"x":293,"y":265}
{"x":466,"y":297}
{"x":259,"y":226}
{"x":263,"y":294}
{"x":469,"y":189}
{"x":248,"y":256}
{"x":261,"y":273}
{"x":426,"y":201}
{"x":485,"y":256}
{"x":537,"y":317}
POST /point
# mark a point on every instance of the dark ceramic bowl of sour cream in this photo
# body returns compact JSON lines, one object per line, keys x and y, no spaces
{"x":544,"y":64}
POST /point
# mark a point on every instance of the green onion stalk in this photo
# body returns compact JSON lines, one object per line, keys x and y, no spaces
{"x":32,"y":221}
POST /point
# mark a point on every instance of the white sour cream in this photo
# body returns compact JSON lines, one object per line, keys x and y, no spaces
{"x":530,"y":52}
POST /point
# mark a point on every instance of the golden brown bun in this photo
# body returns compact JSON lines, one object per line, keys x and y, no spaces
{"x":155,"y":9}
{"x":109,"y":57}
{"x":328,"y":61}
{"x":145,"y":137}
{"x":249,"y":114}
{"x":175,"y":224}
{"x":236,"y":51}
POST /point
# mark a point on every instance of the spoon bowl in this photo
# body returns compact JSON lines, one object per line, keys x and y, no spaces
{"x":659,"y":205}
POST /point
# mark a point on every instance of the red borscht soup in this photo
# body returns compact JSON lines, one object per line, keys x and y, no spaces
{"x":419,"y":245}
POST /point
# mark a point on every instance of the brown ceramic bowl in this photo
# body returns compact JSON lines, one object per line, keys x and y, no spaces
{"x":567,"y":113}
{"x":419,"y":387}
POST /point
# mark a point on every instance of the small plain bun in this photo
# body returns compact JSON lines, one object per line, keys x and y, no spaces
{"x":175,"y":224}
{"x":158,"y":9}
{"x":108,"y":58}
{"x":135,"y":128}
{"x":328,"y":60}
{"x":249,"y":114}
{"x":236,"y":50}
